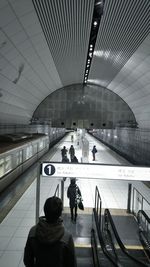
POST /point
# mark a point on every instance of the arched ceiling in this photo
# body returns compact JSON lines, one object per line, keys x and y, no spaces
{"x":37,"y":57}
{"x":87,"y":106}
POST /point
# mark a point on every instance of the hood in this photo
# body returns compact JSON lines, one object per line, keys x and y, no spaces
{"x":49,"y":233}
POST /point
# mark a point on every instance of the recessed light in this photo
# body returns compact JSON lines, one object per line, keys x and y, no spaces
{"x":95,"y":23}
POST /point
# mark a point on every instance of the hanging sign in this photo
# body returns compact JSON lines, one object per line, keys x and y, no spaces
{"x":95,"y":171}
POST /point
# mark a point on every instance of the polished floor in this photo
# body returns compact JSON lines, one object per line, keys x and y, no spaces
{"x":15,"y":227}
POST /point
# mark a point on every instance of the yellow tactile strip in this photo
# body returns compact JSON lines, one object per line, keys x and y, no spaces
{"x":85,"y":211}
{"x":88,"y":210}
{"x":129,"y":247}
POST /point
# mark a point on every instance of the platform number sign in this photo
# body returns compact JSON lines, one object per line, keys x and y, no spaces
{"x":48,"y":169}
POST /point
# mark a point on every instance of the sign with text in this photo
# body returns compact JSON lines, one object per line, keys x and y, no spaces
{"x":95,"y":171}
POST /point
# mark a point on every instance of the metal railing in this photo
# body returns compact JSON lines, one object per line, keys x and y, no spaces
{"x":139,"y":202}
{"x":144,"y":230}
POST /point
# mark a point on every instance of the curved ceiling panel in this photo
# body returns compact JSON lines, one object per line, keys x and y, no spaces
{"x":86,"y":106}
{"x":66,"y":26}
{"x":133,"y":84}
{"x":44,"y":45}
{"x":124,"y":26}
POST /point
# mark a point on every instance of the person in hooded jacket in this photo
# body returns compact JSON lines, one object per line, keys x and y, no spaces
{"x":73,"y":193}
{"x":48,"y":243}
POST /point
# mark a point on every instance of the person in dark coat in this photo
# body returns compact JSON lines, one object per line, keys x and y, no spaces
{"x":74,"y":159}
{"x":48,"y":243}
{"x":71,"y":152}
{"x":94,"y":151}
{"x":64,"y":152}
{"x":65,"y":159}
{"x":73,"y":193}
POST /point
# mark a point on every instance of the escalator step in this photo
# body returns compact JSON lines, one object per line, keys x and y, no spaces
{"x":84,"y":262}
{"x":83,"y":252}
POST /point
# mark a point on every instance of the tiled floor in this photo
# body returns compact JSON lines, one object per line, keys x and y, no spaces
{"x":15,"y":227}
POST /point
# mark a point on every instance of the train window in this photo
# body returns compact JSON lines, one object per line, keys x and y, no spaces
{"x":41,"y":144}
{"x":34,"y":148}
{"x":8,"y":164}
{"x":28,"y":152}
{"x":18,"y":157}
{"x":1,"y":167}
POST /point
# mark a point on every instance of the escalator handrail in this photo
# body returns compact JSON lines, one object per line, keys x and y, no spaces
{"x":144,"y":214}
{"x":94,"y":249}
{"x":97,"y":216}
{"x":98,"y":206}
{"x":108,"y":217}
{"x":102,"y":243}
{"x":142,"y":232}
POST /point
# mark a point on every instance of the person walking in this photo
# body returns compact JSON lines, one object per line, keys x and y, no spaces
{"x":72,"y":193}
{"x":64,"y":152}
{"x":94,"y":151}
{"x":71,"y":152}
{"x":48,"y":243}
{"x":72,"y":138}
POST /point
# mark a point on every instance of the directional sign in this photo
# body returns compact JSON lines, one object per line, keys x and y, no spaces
{"x":95,"y":171}
{"x":48,"y":169}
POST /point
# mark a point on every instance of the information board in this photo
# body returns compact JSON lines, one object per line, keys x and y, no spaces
{"x":95,"y":171}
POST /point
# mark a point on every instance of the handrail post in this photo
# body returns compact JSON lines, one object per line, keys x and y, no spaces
{"x":100,"y":215}
{"x":62,"y":192}
{"x":95,"y":196}
{"x":37,"y":194}
{"x":129,"y":198}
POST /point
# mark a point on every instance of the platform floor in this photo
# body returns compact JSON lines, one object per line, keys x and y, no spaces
{"x":15,"y":227}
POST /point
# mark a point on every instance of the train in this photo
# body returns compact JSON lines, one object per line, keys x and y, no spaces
{"x":23,"y":151}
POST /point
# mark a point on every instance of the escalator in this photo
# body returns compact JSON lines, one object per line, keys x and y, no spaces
{"x":119,"y":238}
{"x":123,"y":255}
{"x":105,"y":240}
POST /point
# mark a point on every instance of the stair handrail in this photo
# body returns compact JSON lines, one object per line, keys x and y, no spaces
{"x":109,"y":221}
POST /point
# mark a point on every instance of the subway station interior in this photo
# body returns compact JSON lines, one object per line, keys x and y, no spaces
{"x":76,"y":72}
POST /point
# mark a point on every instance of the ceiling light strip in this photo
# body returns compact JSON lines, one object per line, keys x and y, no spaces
{"x":97,"y":14}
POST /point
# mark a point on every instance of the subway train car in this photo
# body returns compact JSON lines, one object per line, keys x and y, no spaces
{"x":19,"y":151}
